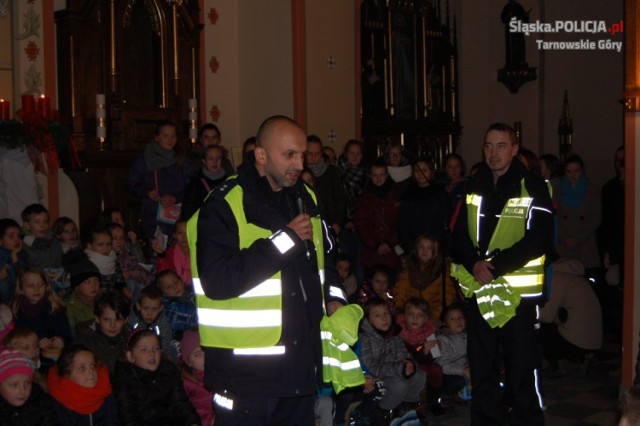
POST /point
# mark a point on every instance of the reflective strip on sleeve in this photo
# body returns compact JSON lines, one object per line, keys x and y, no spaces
{"x":270,"y":287}
{"x":349,"y":365}
{"x":282,"y":241}
{"x":271,"y":350}
{"x":239,"y":318}
{"x":321,"y":274}
{"x":223,"y":401}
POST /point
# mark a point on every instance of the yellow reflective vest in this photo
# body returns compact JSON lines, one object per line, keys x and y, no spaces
{"x":499,"y":299}
{"x":252,"y":322}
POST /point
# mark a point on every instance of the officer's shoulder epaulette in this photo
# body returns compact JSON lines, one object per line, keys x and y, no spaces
{"x":223,"y":189}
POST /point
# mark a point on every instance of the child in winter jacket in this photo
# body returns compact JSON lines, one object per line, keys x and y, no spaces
{"x":419,"y":336}
{"x":453,"y":348}
{"x":22,"y":402}
{"x":385,"y":356}
{"x":81,"y":389}
{"x":148,"y":388}
{"x":179,"y":302}
{"x":36,"y":306}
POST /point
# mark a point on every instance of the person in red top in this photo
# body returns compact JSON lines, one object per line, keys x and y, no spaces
{"x":177,"y":257}
{"x":375,"y":220}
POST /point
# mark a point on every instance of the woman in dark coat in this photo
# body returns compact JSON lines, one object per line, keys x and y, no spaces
{"x":375,"y":220}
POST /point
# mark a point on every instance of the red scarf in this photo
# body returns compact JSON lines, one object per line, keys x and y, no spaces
{"x":417,"y":336}
{"x":78,"y":398}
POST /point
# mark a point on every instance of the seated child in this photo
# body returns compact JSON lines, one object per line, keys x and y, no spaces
{"x":66,"y":231}
{"x":135,"y":275}
{"x":377,"y":286}
{"x":349,"y":282}
{"x":453,"y":347}
{"x":179,"y":302}
{"x":12,"y":258}
{"x":131,"y":241}
{"x":192,"y":368}
{"x":42,"y":247}
{"x":22,"y":402}
{"x":36,"y":306}
{"x":85,"y":288}
{"x":148,"y":388}
{"x":25,"y":340}
{"x":423,"y":277}
{"x":176,"y":258}
{"x":99,"y":252}
{"x":106,"y":334}
{"x":148,"y":312}
{"x":386,"y":357}
{"x":417,"y":326}
{"x":81,"y":389}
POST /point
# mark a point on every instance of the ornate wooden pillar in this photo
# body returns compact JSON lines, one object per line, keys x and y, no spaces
{"x":631,"y":321}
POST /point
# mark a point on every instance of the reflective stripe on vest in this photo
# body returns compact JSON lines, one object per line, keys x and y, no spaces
{"x":251,"y":323}
{"x":512,"y":224}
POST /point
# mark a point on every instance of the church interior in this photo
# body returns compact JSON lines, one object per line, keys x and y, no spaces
{"x":84,"y":82}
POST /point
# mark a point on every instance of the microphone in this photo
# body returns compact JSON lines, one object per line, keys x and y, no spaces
{"x":301,"y":210}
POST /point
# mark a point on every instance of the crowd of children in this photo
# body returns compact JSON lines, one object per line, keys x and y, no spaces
{"x":94,"y":332}
{"x":412,"y":346}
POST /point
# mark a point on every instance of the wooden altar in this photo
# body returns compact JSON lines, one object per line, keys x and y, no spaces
{"x":409,"y":77}
{"x":143,"y":56}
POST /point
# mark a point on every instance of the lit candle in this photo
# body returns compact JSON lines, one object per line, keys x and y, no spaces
{"x":4,"y":109}
{"x":43,"y":106}
{"x":401,"y":139}
{"x":28,"y":105}
{"x":193,"y":103}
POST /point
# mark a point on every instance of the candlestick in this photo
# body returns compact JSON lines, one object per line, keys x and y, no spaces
{"x":193,"y":120}
{"x":28,"y":105}
{"x":101,"y":116}
{"x":4,"y":110}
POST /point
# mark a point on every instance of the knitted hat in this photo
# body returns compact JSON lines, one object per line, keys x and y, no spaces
{"x":14,"y":362}
{"x":190,"y":341}
{"x":82,"y":270}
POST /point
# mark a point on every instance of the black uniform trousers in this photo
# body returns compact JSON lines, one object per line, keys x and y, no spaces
{"x":514,"y":349}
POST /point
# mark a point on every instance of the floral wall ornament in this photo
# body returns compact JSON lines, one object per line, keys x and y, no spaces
{"x":32,"y":51}
{"x":214,"y":64}
{"x":33,"y":80}
{"x":214,"y":113}
{"x":31,"y":24}
{"x":213,"y":16}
